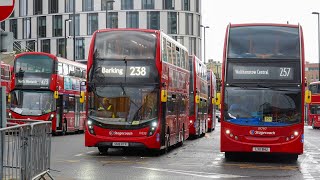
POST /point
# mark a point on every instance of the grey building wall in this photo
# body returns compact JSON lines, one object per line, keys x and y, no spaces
{"x":191,"y":41}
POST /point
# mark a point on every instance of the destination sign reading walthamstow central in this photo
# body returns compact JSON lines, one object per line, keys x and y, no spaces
{"x":263,"y":72}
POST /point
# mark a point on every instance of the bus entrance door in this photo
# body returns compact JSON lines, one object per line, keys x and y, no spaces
{"x":59,"y":115}
{"x":77,"y":114}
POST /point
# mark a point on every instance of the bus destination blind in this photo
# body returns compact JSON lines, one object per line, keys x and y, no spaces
{"x":262,"y":72}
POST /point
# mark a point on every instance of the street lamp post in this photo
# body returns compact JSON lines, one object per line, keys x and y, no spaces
{"x":204,"y":41}
{"x":65,"y":36}
{"x":108,"y":1}
{"x":37,"y":34}
{"x":317,"y":13}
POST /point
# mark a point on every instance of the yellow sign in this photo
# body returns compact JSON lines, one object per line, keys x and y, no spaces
{"x":268,"y":119}
{"x":135,"y":123}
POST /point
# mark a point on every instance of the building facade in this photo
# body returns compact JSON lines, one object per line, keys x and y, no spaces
{"x":42,"y":25}
{"x":312,"y":72}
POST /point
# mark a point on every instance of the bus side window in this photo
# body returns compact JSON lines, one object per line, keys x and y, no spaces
{"x":84,"y":74}
{"x":183,"y":61}
{"x":178,"y":56}
{"x":77,"y":72}
{"x":60,"y":69}
{"x":71,"y":70}
{"x":164,"y":50}
{"x":174,"y":54}
{"x":65,"y":69}
{"x":169,"y":52}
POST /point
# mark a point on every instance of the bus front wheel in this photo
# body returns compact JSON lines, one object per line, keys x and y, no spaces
{"x":103,"y":150}
{"x":313,"y":127}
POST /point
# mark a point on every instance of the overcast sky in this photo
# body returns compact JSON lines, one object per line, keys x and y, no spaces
{"x":219,"y":13}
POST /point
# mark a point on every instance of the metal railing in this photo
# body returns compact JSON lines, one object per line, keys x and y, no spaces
{"x":25,"y":151}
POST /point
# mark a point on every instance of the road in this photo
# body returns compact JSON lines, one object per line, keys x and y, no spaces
{"x":196,"y":159}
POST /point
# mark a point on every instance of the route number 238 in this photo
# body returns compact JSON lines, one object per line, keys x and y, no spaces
{"x":138,"y":71}
{"x":285,"y":72}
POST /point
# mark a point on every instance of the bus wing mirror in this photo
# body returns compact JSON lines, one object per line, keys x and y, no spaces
{"x":218,"y":99}
{"x":82,"y":97}
{"x":164,"y":95}
{"x":307,"y":96}
{"x":197,"y":99}
{"x":56,"y":95}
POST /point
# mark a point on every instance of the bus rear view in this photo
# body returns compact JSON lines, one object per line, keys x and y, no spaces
{"x":263,"y":90}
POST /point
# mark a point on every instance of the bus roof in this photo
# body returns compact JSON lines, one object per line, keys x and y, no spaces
{"x":35,"y":53}
{"x":59,"y":59}
{"x":144,"y":30}
{"x":70,"y":62}
{"x":263,"y":24}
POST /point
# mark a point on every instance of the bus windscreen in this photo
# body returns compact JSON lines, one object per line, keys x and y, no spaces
{"x":264,"y":42}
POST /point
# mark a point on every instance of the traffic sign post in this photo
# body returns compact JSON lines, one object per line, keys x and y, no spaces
{"x":6,"y":9}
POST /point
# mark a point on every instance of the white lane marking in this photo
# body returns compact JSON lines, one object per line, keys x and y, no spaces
{"x":194,"y":173}
{"x":90,"y":152}
{"x":307,"y":160}
{"x":82,"y":154}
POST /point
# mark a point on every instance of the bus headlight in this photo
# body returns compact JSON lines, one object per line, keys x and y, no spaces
{"x":51,"y":117}
{"x":153,"y":128}
{"x":89,"y":122}
{"x":227,"y":131}
{"x":154,"y":124}
{"x":10,"y":115}
{"x":90,"y":127}
{"x":296,"y":133}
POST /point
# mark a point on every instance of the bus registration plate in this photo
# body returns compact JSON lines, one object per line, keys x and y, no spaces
{"x":120,"y":144}
{"x":261,"y":149}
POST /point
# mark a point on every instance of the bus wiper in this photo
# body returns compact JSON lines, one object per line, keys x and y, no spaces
{"x":125,"y":71}
{"x":270,"y":87}
{"x":235,"y":85}
{"x":124,"y":93}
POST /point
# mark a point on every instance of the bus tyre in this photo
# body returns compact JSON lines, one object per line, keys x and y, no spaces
{"x":313,"y":127}
{"x":167,"y":142}
{"x":64,"y":127}
{"x":182,"y":137}
{"x":293,"y":157}
{"x":103,"y":150}
{"x":229,"y":156}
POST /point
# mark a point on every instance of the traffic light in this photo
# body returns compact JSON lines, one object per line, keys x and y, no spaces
{"x":6,"y":41}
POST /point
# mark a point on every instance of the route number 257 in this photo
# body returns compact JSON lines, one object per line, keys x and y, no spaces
{"x":285,"y":72}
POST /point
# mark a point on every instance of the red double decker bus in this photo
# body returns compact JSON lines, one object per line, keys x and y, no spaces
{"x":211,"y":78}
{"x":46,"y":87}
{"x":198,"y":87}
{"x":137,"y":90}
{"x":263,"y":89}
{"x":313,"y":113}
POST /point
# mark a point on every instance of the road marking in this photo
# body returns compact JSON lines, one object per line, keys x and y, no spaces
{"x":81,"y":154}
{"x":263,"y":167}
{"x":72,"y":161}
{"x":122,"y":162}
{"x":90,"y":152}
{"x":194,"y":173}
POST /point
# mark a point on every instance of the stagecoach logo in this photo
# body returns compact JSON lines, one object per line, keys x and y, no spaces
{"x":116,"y":133}
{"x":113,"y":70}
{"x":253,"y":132}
